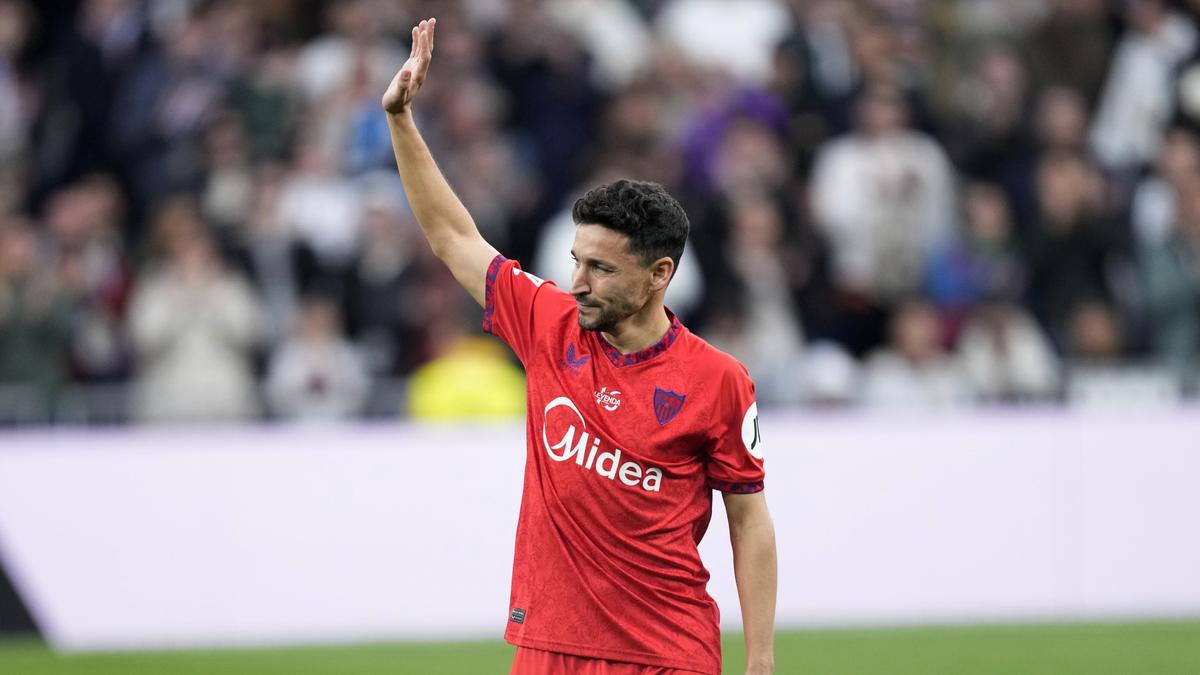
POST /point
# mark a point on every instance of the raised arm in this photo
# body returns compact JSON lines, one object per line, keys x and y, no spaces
{"x":752,"y":535}
{"x":448,"y":226}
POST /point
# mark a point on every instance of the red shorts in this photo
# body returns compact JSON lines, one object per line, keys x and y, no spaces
{"x":537,"y":662}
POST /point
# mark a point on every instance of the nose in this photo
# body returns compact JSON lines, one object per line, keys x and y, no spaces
{"x":579,"y":283}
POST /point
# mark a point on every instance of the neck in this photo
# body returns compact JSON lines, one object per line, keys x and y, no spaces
{"x":641,"y":330}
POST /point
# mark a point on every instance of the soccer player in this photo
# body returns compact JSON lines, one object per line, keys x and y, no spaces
{"x":632,"y":422}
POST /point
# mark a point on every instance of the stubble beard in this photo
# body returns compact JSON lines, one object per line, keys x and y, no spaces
{"x":607,"y":317}
{"x":604,"y":321}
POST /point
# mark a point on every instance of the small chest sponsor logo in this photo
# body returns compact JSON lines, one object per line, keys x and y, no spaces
{"x":572,"y":362}
{"x":609,"y":400}
{"x":517,"y":616}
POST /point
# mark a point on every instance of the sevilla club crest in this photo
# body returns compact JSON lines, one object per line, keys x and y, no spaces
{"x":667,"y":404}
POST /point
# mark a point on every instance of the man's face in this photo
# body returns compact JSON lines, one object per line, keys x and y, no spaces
{"x":609,"y":283}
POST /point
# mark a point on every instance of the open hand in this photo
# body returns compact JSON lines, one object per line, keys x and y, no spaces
{"x":408,"y":81}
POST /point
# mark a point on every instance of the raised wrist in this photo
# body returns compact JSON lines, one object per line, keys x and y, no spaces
{"x":404,"y":116}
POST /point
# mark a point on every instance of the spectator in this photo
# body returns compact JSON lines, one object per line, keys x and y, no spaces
{"x":484,"y":166}
{"x":85,"y":221}
{"x":1170,"y":269}
{"x":1059,"y":125}
{"x":34,"y":321}
{"x":617,"y":37}
{"x":638,"y":132}
{"x":823,"y":35}
{"x":15,"y":104}
{"x":384,"y":307}
{"x":345,"y":122}
{"x":1185,"y":94}
{"x":472,"y":380}
{"x":992,"y":143}
{"x":96,"y":49}
{"x":1095,"y":333}
{"x":1072,"y":245}
{"x":555,"y":103}
{"x":1153,"y":209}
{"x":317,"y":373}
{"x":352,"y":40}
{"x":914,"y":370}
{"x":228,"y":186}
{"x":161,"y":106}
{"x":269,"y":104}
{"x":989,"y":19}
{"x":831,"y":376}
{"x":982,"y":262}
{"x":749,"y":30}
{"x":1006,"y":356}
{"x":884,"y":197}
{"x":761,"y":327}
{"x":321,"y":208}
{"x":887,"y":43}
{"x":817,"y":183}
{"x":281,"y":266}
{"x":1138,"y":95}
{"x":738,"y":144}
{"x":794,"y":82}
{"x":1060,"y":120}
{"x":1072,"y":48}
{"x":194,"y":325}
{"x":1096,"y":372}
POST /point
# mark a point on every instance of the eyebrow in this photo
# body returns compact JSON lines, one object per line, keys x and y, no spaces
{"x":596,"y":261}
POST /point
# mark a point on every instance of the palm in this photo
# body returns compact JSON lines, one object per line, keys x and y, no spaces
{"x":412,"y":74}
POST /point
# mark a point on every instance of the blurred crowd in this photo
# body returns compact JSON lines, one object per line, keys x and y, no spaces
{"x":897,"y":203}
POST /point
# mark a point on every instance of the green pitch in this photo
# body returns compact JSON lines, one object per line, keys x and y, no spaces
{"x":1158,"y":648}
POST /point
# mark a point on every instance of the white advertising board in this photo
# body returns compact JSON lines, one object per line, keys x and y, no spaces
{"x":190,"y":537}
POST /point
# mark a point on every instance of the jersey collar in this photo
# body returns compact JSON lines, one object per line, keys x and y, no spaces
{"x":618,"y":359}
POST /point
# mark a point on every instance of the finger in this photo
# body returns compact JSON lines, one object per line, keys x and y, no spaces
{"x":425,"y":54}
{"x":428,"y":42}
{"x":432,"y":30}
{"x":413,"y":52}
{"x":423,"y":40}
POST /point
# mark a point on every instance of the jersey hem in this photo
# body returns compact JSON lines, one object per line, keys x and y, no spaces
{"x":736,"y":488}
{"x":642,"y":658}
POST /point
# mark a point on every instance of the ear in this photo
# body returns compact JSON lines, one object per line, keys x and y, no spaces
{"x":661,"y":271}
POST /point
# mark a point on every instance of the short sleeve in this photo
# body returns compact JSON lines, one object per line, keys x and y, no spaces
{"x":518,"y":305}
{"x":735,"y":462}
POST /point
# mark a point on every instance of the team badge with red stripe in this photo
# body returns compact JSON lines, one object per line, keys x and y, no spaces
{"x":667,"y":404}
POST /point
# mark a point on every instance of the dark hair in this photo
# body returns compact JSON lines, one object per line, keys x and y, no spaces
{"x":653,"y":220}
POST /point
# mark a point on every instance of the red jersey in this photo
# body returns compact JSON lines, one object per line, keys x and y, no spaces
{"x":623,"y":452}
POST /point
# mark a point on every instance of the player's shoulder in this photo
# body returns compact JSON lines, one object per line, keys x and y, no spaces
{"x":533,"y":308}
{"x":710,"y":362}
{"x":513,"y":269}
